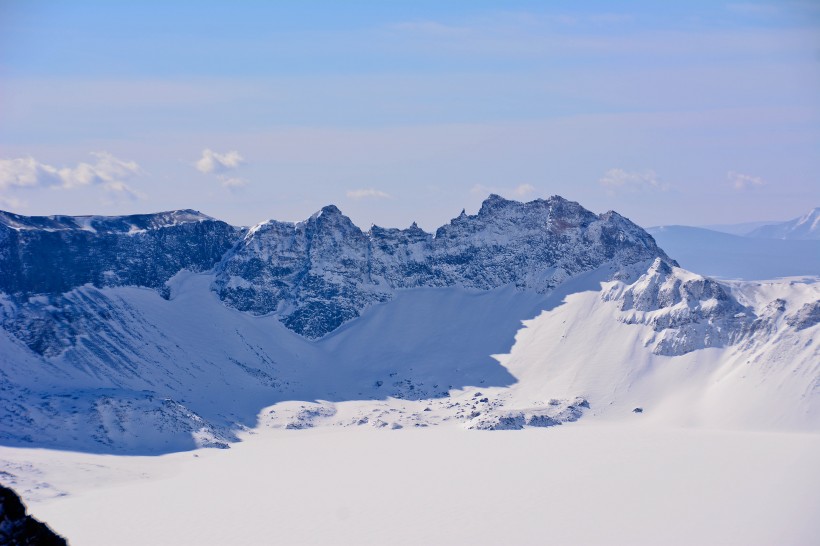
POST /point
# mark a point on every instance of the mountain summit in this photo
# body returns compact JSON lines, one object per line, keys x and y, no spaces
{"x":164,"y":332}
{"x":319,"y":273}
{"x":804,"y":227}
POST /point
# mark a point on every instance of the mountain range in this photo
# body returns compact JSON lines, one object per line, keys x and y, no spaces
{"x":750,"y":251}
{"x":164,"y":332}
{"x":803,"y":227}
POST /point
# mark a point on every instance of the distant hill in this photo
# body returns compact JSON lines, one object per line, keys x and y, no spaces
{"x":728,"y":256}
{"x":739,"y":229}
{"x":802,"y":228}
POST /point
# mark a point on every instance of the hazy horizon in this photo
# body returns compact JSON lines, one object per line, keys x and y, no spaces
{"x":695,"y":115}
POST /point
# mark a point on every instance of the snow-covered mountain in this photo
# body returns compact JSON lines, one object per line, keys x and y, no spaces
{"x":804,"y":227}
{"x":164,"y":332}
{"x":53,"y":254}
{"x":322,"y":272}
{"x":741,"y":229}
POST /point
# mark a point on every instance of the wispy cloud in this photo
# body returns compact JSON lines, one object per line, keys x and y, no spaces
{"x":523,"y":190}
{"x":619,"y":180}
{"x":213,"y":162}
{"x":740,"y":181}
{"x":233,"y":183}
{"x":107,"y":171}
{"x":222,"y":165}
{"x":368,"y":193}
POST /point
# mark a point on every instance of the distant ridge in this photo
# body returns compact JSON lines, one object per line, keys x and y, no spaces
{"x":734,"y":257}
{"x":803,"y":227}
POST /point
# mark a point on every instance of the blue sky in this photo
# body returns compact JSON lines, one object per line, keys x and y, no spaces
{"x":692,"y":113}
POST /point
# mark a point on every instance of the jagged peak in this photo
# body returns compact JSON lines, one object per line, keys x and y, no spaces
{"x":492,"y":203}
{"x":809,"y":216}
{"x":413,"y":230}
{"x":495,"y":198}
{"x":611,"y":214}
{"x":331,"y":210}
{"x":660,"y":267}
{"x":327,"y":212}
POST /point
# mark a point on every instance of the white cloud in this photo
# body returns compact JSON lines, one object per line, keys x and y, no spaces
{"x":27,"y":172}
{"x":368,"y":193}
{"x":742,"y":182}
{"x":233,"y":183}
{"x":107,"y":171}
{"x":523,"y":190}
{"x":616,"y":180}
{"x":222,"y":165}
{"x":213,"y":162}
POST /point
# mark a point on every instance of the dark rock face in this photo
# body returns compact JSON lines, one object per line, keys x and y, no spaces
{"x":315,"y":275}
{"x":19,"y":529}
{"x":53,"y":254}
{"x":322,"y":272}
{"x":318,"y":266}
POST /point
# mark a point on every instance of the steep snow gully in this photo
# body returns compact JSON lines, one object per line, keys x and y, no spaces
{"x":165,"y":332}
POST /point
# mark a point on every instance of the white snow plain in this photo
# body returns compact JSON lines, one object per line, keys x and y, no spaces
{"x":725,"y":450}
{"x":586,"y":483}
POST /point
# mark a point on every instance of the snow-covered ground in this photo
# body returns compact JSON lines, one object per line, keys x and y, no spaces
{"x":724,"y":449}
{"x":589,"y":483}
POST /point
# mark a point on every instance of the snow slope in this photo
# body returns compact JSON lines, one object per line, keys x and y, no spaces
{"x":658,"y":406}
{"x":150,"y":375}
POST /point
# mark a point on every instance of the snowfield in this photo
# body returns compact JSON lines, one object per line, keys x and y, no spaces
{"x":588,"y":483}
{"x":724,"y":449}
{"x":532,"y":374}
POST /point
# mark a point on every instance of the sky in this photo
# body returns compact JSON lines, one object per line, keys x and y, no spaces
{"x":691,"y":113}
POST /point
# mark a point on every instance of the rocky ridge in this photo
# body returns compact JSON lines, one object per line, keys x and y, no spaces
{"x":322,"y":272}
{"x":19,"y":529}
{"x":48,"y":255}
{"x":94,"y":359}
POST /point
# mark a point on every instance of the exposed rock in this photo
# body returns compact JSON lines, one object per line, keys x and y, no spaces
{"x":19,"y":529}
{"x":806,"y":317}
{"x":322,"y":272}
{"x":554,"y":413}
{"x":54,"y":254}
{"x":688,"y":311}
